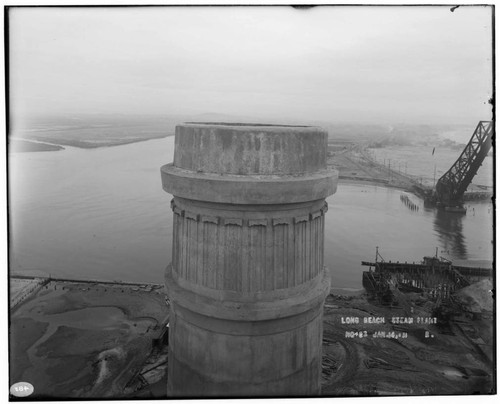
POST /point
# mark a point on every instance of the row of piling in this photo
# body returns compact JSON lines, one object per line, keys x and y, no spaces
{"x":408,"y":202}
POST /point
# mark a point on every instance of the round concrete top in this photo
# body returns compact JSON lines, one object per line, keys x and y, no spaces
{"x":249,"y":148}
{"x":248,"y":189}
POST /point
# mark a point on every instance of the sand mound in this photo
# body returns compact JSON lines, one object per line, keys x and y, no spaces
{"x":477,"y":296}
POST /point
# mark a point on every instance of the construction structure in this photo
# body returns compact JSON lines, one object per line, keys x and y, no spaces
{"x":437,"y":277}
{"x":451,"y":187}
{"x":247,"y":281}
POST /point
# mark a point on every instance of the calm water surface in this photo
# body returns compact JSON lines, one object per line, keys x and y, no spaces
{"x":102,"y":214}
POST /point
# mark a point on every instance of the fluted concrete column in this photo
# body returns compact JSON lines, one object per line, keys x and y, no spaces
{"x":247,"y":281}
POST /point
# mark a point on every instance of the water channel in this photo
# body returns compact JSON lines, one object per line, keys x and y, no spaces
{"x":102,"y":214}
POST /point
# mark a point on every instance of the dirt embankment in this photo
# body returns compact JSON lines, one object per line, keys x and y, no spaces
{"x":77,"y":340}
{"x":354,"y":164}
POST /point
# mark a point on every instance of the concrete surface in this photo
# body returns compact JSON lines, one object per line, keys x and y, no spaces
{"x":247,"y":281}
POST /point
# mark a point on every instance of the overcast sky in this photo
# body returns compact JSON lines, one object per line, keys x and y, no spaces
{"x":371,"y":64}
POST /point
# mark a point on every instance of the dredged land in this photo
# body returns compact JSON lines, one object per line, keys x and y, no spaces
{"x":84,"y":339}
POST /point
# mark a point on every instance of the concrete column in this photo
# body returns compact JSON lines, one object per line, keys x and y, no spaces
{"x":247,"y":281}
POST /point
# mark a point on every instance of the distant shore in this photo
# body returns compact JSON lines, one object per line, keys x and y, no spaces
{"x":354,"y":163}
{"x":355,"y":166}
{"x":27,"y":146}
{"x":54,"y":144}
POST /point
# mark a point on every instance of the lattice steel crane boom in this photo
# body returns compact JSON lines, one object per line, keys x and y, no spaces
{"x":451,"y":187}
